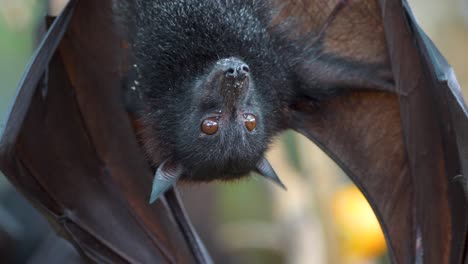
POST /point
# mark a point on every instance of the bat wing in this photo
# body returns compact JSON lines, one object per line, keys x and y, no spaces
{"x":69,"y":147}
{"x":401,"y":137}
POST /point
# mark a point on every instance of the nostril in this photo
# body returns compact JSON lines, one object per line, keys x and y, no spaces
{"x":231,"y":72}
{"x":234,"y":68}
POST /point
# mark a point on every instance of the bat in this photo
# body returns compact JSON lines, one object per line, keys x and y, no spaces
{"x":359,"y":78}
{"x":217,"y":80}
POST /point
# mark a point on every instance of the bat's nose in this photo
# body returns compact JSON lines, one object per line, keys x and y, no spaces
{"x":228,"y":86}
{"x":237,"y":71}
{"x":234,"y":68}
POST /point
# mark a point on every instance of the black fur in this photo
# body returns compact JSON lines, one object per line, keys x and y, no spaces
{"x":176,"y":44}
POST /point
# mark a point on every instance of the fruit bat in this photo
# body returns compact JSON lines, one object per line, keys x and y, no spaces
{"x":219,"y":79}
{"x":208,"y":84}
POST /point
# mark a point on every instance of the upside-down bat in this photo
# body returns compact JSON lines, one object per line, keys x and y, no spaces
{"x":401,"y":142}
{"x":217,"y":80}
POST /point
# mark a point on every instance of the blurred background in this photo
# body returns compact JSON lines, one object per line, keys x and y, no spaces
{"x":323,"y":218}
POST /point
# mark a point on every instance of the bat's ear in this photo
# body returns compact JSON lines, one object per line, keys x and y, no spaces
{"x":265,"y":169}
{"x":165,"y":177}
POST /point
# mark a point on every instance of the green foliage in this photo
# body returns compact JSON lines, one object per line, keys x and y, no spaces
{"x":244,"y":200}
{"x":15,"y":50}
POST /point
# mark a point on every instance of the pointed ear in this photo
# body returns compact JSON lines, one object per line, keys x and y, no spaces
{"x":265,"y":169}
{"x":166,"y":176}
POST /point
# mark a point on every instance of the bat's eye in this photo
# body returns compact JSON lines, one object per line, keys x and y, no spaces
{"x":210,"y":126}
{"x":250,"y":121}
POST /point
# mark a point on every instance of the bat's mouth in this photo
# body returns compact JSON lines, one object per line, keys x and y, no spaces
{"x":170,"y":171}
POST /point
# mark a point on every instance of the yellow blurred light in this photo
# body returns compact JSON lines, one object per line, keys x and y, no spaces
{"x":359,"y":231}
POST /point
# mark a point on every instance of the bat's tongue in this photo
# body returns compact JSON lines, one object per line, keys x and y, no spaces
{"x":169,"y":172}
{"x":166,"y":175}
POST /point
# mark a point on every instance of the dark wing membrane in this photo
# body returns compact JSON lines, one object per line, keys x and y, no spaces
{"x":360,"y":130}
{"x":34,"y":72}
{"x":75,"y":155}
{"x":352,"y":29}
{"x":390,"y":140}
{"x":347,"y":39}
{"x":434,"y":119}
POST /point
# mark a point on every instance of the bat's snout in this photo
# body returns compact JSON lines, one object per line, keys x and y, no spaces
{"x":232,"y":69}
{"x":227,"y":88}
{"x":235,"y":69}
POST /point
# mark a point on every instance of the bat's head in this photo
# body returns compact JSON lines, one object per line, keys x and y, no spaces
{"x":222,"y":133}
{"x":212,"y":83}
{"x":214,"y":125}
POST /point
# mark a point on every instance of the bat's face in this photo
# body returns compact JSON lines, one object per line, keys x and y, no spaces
{"x":213,"y":85}
{"x":216,"y":124}
{"x":221,"y":133}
